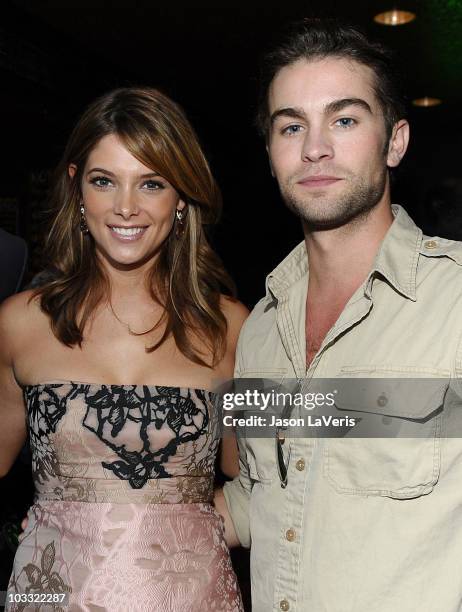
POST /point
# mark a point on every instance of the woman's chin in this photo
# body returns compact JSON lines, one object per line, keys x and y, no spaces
{"x":122,"y":262}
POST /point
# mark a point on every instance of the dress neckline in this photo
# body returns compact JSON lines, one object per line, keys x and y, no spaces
{"x":58,"y":381}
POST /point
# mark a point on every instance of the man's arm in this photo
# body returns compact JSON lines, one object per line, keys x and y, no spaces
{"x":232,"y":502}
{"x":222,"y":509}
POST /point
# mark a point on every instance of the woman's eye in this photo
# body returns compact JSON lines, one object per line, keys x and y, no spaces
{"x":292,"y":129}
{"x":101,"y":181}
{"x":345,"y":122}
{"x":153,"y":185}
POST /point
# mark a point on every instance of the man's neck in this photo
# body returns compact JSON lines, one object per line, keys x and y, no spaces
{"x":340,"y":259}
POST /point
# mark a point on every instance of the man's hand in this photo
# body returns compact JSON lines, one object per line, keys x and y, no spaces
{"x":24,"y":523}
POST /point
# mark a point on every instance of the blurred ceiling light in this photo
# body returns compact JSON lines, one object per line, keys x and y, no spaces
{"x":394,"y":17}
{"x":427,"y":101}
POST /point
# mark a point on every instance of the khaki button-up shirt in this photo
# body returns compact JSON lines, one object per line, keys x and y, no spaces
{"x":364,"y":525}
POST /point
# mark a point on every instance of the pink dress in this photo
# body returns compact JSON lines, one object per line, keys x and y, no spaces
{"x":122,"y":519}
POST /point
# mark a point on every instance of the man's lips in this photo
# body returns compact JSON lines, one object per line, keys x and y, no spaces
{"x":320,"y":180}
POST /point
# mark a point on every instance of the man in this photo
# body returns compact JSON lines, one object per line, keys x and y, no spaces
{"x":356,"y":525}
{"x":13,"y":256}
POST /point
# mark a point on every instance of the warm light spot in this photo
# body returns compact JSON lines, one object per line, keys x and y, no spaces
{"x":427,"y":101}
{"x":394,"y":17}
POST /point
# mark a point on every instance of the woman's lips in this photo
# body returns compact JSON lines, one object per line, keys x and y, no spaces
{"x":127,"y":234}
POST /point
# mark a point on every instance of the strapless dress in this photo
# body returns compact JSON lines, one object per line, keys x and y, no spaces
{"x":122,"y":519}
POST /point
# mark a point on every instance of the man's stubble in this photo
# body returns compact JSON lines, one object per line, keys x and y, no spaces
{"x":319,"y":211}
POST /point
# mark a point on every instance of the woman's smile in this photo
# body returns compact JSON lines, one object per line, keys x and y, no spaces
{"x":128,"y":233}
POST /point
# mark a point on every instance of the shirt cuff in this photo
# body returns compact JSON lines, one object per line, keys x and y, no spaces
{"x":238,"y":501}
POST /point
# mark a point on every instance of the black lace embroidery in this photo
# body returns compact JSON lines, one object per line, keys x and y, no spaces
{"x":109,"y":410}
{"x":46,"y":408}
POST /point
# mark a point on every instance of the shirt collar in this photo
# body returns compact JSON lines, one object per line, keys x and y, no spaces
{"x":396,"y":260}
{"x":288,"y":272}
{"x":398,"y":255}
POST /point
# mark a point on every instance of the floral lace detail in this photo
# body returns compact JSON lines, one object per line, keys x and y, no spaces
{"x":41,"y":579}
{"x":143,"y":426}
{"x":46,"y":408}
{"x":117,"y":405}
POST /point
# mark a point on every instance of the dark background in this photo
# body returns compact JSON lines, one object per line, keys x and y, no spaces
{"x":56,"y":57}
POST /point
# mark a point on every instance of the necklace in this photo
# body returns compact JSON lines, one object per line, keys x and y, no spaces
{"x":127,"y":325}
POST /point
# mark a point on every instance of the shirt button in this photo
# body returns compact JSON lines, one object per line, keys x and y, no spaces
{"x":430,"y":244}
{"x":284,"y":605}
{"x":300,"y":465}
{"x":290,"y":535}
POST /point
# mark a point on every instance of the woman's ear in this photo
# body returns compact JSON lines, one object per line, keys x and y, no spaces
{"x":72,"y":169}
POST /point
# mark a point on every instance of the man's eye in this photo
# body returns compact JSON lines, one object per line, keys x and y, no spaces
{"x":292,"y":129}
{"x":100,"y":181}
{"x":345,"y":122}
{"x":153,"y":185}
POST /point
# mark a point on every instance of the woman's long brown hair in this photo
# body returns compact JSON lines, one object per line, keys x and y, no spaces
{"x":187,"y":276}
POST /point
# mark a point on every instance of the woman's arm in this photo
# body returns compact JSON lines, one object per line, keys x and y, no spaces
{"x":229,"y":458}
{"x":12,"y":415}
{"x":235,"y":313}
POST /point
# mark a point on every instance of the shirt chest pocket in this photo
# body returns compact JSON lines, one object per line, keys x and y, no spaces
{"x":398,"y":455}
{"x":260,"y":453}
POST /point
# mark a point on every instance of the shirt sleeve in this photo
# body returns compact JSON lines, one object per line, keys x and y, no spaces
{"x":237,"y":492}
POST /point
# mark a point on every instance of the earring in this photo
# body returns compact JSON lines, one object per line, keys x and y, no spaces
{"x":179,"y":223}
{"x":83,"y":221}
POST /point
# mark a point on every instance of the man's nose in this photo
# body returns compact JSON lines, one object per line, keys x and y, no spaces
{"x":316,"y":145}
{"x":125,"y":203}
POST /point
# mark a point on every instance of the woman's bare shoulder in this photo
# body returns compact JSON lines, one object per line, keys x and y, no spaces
{"x":233,"y":309}
{"x":19,"y":314}
{"x":236,"y":313}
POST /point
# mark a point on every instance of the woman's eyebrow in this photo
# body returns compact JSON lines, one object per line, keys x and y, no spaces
{"x":101,"y":170}
{"x":109,"y":173}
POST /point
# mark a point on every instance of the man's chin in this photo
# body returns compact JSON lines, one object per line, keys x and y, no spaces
{"x":318,"y":224}
{"x":318,"y":220}
{"x":327,"y":215}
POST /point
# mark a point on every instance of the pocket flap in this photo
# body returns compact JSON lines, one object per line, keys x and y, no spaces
{"x":416,"y":398}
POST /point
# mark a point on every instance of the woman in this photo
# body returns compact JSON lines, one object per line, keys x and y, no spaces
{"x":115,"y":359}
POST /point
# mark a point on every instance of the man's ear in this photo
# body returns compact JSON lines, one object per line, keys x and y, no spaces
{"x":72,"y":170}
{"x":398,"y":143}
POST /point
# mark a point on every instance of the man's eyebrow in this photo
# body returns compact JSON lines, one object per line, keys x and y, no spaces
{"x":335,"y":106}
{"x":292,"y":112}
{"x":338,"y":105}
